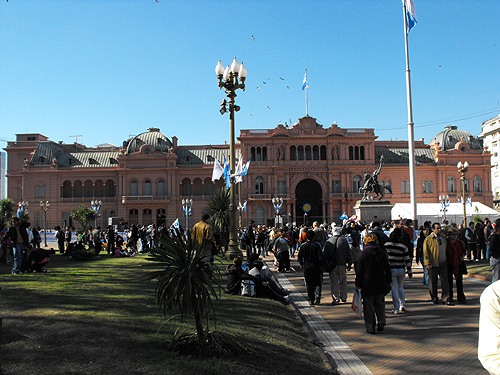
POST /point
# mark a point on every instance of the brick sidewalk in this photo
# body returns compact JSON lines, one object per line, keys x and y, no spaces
{"x":427,"y":339}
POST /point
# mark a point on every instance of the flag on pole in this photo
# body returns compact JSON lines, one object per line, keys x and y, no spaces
{"x":244,"y":169}
{"x":175,"y":224}
{"x":304,"y":82}
{"x":227,"y":173}
{"x":459,"y":199}
{"x":218,"y":171}
{"x":411,"y":14}
{"x":469,"y":201}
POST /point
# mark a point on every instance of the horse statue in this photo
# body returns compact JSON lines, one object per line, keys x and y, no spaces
{"x":372,"y":185}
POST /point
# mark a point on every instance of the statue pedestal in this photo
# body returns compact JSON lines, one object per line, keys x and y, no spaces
{"x":375,"y":210}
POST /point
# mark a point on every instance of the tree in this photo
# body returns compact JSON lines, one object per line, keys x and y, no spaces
{"x":84,"y":216}
{"x":218,"y":209}
{"x":6,"y":211}
{"x":185,"y":281}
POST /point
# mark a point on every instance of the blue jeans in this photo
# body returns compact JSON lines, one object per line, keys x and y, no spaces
{"x":398,"y":292}
{"x":18,"y":257}
{"x":495,"y":269}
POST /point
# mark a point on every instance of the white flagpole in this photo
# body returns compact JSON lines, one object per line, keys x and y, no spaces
{"x":411,"y":142}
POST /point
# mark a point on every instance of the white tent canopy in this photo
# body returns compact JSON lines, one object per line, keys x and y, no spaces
{"x":433,"y":212}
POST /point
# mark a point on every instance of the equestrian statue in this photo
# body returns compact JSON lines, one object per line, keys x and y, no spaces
{"x":372,"y":185}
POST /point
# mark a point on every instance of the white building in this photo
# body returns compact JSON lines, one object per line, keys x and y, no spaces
{"x":490,"y":134}
{"x":3,"y":178}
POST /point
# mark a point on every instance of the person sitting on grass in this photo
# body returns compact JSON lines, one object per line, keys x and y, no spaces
{"x":267,"y":288}
{"x":37,"y":259}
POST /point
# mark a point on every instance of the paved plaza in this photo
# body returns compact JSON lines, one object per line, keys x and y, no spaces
{"x":427,"y":339}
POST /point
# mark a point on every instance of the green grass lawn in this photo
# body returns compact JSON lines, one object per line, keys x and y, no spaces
{"x":100,"y":317}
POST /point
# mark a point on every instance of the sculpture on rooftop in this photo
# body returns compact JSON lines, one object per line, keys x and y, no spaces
{"x":372,"y":185}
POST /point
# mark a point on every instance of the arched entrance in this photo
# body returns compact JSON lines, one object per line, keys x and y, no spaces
{"x":308,"y":191}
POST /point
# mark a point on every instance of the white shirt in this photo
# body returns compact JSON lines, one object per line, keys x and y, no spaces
{"x":488,"y":350}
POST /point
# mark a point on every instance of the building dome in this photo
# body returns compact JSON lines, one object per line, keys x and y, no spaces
{"x":152,"y":137}
{"x":451,"y":135}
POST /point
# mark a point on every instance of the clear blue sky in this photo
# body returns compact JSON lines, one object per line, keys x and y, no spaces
{"x":107,"y":69}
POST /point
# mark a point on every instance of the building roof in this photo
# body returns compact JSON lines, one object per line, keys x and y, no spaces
{"x":203,"y":155}
{"x":451,"y":135}
{"x":48,"y":153}
{"x":153,"y":137}
{"x":401,"y":156}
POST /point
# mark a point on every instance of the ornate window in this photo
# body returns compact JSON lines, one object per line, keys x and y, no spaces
{"x":357,"y":183}
{"x":259,"y":185}
{"x":451,"y":185}
{"x":146,"y":189}
{"x":160,"y":187}
{"x":186,"y":187}
{"x":40,"y":190}
{"x":430,"y":187}
{"x":301,"y":153}
{"x":322,"y":152}
{"x":134,"y":188}
{"x":424,"y":186}
{"x":315,"y":152}
{"x":478,"y":185}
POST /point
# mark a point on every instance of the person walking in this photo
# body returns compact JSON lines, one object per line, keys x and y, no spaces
{"x":455,"y":253}
{"x":436,"y":264}
{"x":310,"y":258}
{"x":337,"y":246}
{"x":202,"y":232}
{"x":419,"y":254}
{"x":374,"y":278}
{"x":280,"y":250}
{"x":470,"y":235}
{"x":399,"y":259}
{"x":495,"y":252}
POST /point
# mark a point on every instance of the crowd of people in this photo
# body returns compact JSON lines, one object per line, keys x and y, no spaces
{"x":381,"y":255}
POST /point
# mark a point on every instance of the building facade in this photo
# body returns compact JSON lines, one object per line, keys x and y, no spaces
{"x":3,"y":175}
{"x":490,"y":134}
{"x":316,"y":170}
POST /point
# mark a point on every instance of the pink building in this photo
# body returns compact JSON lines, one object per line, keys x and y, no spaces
{"x":306,"y":164}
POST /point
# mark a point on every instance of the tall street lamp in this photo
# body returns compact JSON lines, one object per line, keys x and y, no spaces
{"x":445,"y":203}
{"x":186,"y":207}
{"x":96,"y":205}
{"x":228,"y":79}
{"x":45,"y":207}
{"x":463,"y":169}
{"x":277,"y":203}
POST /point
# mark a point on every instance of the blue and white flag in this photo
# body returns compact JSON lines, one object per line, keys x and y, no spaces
{"x":469,"y":201}
{"x":304,"y":82}
{"x":459,"y":199}
{"x":227,"y":173}
{"x":244,"y":169}
{"x":175,"y":224}
{"x":218,"y":171}
{"x":411,"y":14}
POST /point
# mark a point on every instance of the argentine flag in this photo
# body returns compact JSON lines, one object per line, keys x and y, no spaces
{"x":411,"y":14}
{"x":304,"y":82}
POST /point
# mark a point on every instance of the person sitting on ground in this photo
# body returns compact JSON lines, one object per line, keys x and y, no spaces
{"x":37,"y":259}
{"x":247,"y":266}
{"x":262,"y":273}
{"x":267,"y":289}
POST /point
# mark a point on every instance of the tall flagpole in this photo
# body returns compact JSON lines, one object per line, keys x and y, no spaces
{"x":411,"y":142}
{"x":306,"y":87}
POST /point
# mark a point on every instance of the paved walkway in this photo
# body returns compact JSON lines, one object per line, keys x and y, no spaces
{"x":427,"y":339}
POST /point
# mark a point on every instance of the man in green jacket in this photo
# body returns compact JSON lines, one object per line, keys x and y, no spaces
{"x":435,"y":262}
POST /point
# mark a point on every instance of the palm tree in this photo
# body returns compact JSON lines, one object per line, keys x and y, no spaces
{"x":218,"y":208}
{"x":185,"y":284}
{"x":6,"y":211}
